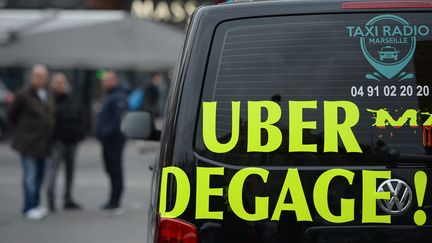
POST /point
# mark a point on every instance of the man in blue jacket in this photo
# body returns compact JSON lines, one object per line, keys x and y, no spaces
{"x":108,"y":132}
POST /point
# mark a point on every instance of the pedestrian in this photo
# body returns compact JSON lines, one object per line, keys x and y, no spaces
{"x":67,"y":133}
{"x":112,"y":140}
{"x":31,"y":115}
{"x":151,"y":98}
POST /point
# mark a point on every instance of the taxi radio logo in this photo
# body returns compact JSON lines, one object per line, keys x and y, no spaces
{"x":388,"y":43}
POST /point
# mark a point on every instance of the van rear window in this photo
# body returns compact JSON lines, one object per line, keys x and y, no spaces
{"x":380,"y":62}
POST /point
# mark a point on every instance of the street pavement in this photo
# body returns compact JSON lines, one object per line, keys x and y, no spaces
{"x":91,"y":190}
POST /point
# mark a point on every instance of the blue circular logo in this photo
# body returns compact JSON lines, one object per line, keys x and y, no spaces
{"x":389,"y":44}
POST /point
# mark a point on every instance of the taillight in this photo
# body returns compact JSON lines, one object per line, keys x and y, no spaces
{"x":386,"y":4}
{"x":176,"y":231}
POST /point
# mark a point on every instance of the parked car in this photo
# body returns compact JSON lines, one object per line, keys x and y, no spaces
{"x":300,"y":58}
{"x":6,"y":97}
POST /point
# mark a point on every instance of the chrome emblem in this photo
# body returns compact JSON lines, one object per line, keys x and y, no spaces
{"x":400,"y":196}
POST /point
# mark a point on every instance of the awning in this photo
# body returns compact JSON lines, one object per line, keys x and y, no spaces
{"x":86,"y":39}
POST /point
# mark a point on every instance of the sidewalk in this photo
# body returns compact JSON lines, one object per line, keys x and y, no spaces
{"x":89,"y":225}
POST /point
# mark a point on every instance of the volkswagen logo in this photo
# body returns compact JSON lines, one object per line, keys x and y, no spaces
{"x":400,"y":196}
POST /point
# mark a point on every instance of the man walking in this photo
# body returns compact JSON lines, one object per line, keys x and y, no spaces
{"x":67,"y":133}
{"x":108,"y":132}
{"x":31,"y":116}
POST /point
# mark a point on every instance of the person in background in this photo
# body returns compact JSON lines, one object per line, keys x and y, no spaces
{"x":67,"y":133}
{"x":112,"y":140}
{"x":151,"y":97}
{"x":31,"y":115}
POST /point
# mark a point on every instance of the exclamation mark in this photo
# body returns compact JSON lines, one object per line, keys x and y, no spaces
{"x":420,"y":181}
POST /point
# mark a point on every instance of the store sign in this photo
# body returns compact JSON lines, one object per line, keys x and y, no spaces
{"x":167,"y":11}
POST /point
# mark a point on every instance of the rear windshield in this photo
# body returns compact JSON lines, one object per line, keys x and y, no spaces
{"x":380,"y":62}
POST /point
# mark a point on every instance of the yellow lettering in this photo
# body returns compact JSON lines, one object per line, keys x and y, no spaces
{"x":235,"y":195}
{"x":255,"y":126}
{"x":182,"y":194}
{"x":209,"y":127}
{"x":370,"y":196}
{"x":297,"y":125}
{"x":299,"y":205}
{"x":383,"y":118}
{"x":320,"y":197}
{"x":332,"y":128}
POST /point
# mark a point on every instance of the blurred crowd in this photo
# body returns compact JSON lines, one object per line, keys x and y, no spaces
{"x":47,"y":126}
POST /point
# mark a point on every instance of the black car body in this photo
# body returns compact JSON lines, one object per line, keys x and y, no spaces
{"x":284,"y":51}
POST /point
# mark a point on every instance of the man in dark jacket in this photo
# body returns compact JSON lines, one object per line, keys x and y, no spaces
{"x":67,"y":133}
{"x":31,"y":116}
{"x":108,"y":132}
{"x":151,"y":97}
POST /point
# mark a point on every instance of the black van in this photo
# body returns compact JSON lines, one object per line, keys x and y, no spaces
{"x":297,"y":121}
